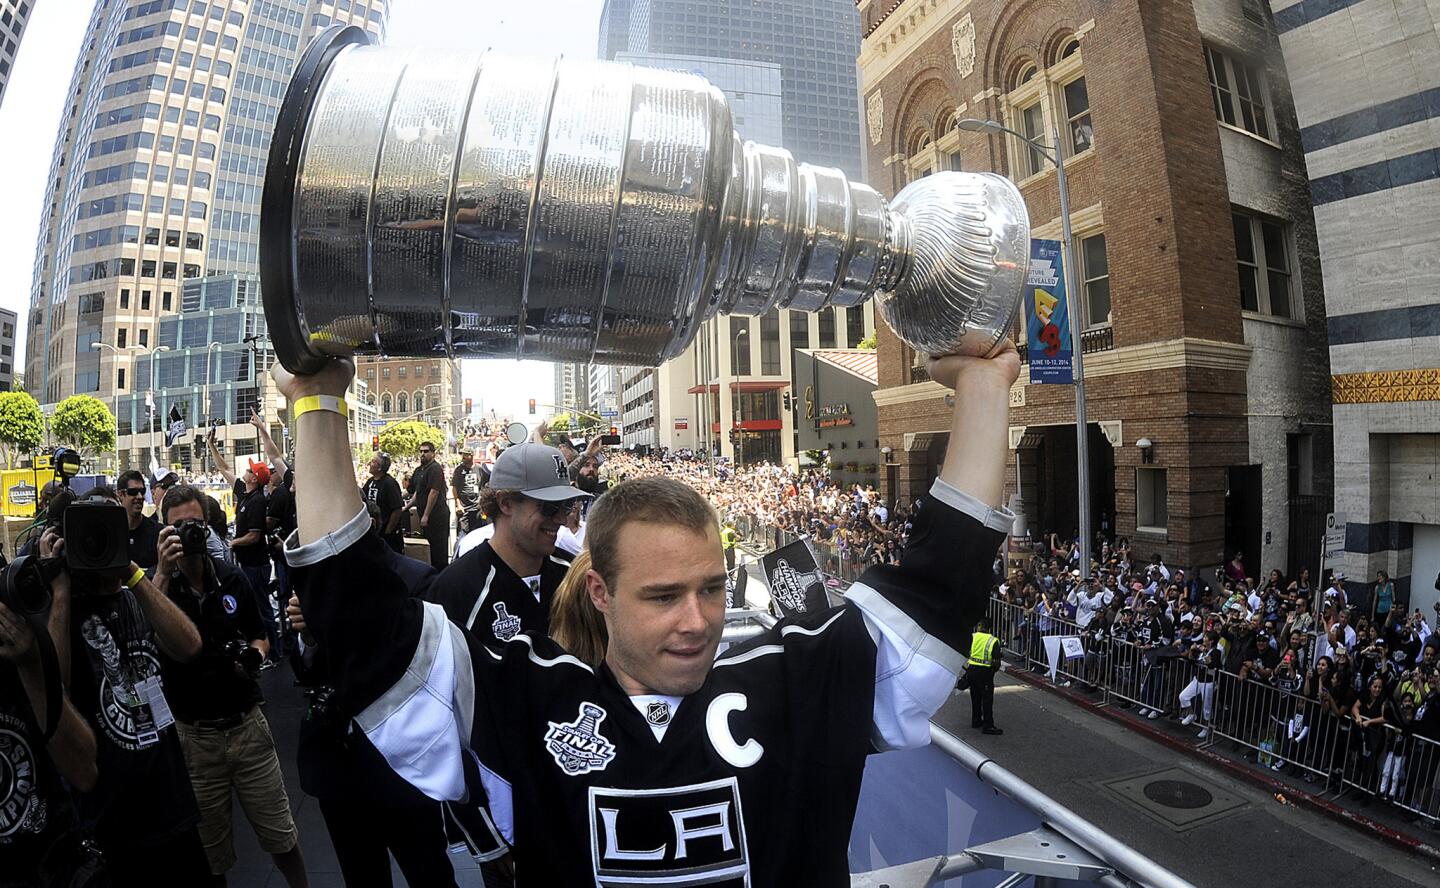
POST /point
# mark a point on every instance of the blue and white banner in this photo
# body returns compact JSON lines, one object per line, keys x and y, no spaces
{"x":1047,"y":316}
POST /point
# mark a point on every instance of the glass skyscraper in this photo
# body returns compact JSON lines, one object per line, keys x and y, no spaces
{"x":815,"y":43}
{"x":13,"y":16}
{"x":154,"y":184}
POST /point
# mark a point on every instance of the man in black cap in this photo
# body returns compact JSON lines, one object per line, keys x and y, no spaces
{"x":503,"y":586}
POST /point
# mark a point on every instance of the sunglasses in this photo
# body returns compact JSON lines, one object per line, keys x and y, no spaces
{"x":551,"y":509}
{"x":133,"y":491}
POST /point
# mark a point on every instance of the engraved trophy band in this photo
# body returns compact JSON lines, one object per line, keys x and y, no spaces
{"x":439,"y":203}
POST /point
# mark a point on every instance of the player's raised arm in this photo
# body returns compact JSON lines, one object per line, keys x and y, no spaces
{"x":922,"y":610}
{"x":383,"y":646}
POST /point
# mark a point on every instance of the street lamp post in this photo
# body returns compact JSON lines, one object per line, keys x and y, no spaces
{"x":116,"y":398}
{"x":1082,"y":445}
{"x":740,"y":438}
{"x":205,"y":396}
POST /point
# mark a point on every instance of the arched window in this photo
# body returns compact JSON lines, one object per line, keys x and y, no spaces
{"x":419,"y":401}
{"x":402,"y":403}
{"x":1068,"y":48}
{"x":949,"y":120}
{"x":370,"y":399}
{"x":919,"y":141}
{"x":385,"y":403}
{"x":1024,"y":74}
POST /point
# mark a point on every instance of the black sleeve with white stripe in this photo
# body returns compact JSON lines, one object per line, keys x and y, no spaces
{"x":920,"y":612}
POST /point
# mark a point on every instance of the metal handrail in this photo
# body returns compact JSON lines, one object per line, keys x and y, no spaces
{"x":1114,"y":853}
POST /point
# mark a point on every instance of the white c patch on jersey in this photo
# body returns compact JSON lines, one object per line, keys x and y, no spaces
{"x":578,"y":747}
{"x":677,"y":835}
{"x":717,"y":725}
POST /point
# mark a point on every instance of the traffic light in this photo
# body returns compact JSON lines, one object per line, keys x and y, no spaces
{"x":375,"y":442}
{"x":467,"y":406}
{"x":787,"y":402}
{"x":614,"y":430}
{"x":532,"y":406}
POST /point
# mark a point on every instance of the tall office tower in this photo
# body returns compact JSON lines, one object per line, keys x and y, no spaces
{"x":8,"y":322}
{"x":814,"y":42}
{"x":156,"y":181}
{"x":13,"y":16}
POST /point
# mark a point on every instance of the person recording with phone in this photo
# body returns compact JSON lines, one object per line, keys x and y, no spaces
{"x":215,"y":697}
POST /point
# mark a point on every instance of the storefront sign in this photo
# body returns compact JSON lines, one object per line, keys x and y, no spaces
{"x":1047,"y":316}
{"x":682,"y":423}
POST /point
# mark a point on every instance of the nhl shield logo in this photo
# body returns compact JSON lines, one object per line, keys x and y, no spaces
{"x":578,"y":747}
{"x":658,"y":713}
{"x":505,"y":626}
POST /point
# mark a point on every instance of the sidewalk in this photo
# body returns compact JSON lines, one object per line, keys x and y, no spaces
{"x":1188,"y":814}
{"x":1386,"y":822}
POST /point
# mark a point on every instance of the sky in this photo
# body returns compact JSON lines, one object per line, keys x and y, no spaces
{"x":34,"y":100}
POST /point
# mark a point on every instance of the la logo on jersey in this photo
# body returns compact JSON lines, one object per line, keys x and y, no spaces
{"x":505,"y":626}
{"x":680,"y":835}
{"x":578,"y":747}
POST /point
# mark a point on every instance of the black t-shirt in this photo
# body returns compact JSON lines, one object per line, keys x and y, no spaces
{"x":211,"y":686}
{"x":143,"y":794}
{"x":34,"y":807}
{"x":466,"y":481}
{"x":250,"y":512}
{"x":384,"y":492}
{"x":281,"y":508}
{"x":427,"y":477}
{"x":145,"y":542}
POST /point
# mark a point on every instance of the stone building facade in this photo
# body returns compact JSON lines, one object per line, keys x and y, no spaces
{"x":1198,"y":283}
{"x":1366,"y":77}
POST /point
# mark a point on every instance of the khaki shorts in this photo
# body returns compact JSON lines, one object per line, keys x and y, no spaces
{"x":242,"y":758}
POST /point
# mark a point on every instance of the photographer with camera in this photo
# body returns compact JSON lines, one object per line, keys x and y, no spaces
{"x":215,"y":697}
{"x":40,"y":843}
{"x":141,"y":809}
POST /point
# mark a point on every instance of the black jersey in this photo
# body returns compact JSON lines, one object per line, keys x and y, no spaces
{"x":575,"y":774}
{"x":483,"y":595}
{"x":35,"y":809}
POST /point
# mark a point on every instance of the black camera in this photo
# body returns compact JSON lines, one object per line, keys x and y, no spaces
{"x":248,"y":658}
{"x":97,"y":535}
{"x":194,"y":535}
{"x":324,"y":707}
{"x":25,"y":584}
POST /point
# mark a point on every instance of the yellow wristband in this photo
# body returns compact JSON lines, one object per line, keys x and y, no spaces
{"x":329,"y":403}
{"x":135,"y":580}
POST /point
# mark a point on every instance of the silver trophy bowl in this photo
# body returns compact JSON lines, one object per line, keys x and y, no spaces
{"x":473,"y":205}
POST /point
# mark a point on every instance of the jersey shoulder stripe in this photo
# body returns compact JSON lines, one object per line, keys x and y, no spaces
{"x":480,"y":599}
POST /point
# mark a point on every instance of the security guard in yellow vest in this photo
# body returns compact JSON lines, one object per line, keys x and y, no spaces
{"x":979,"y":677}
{"x":728,"y":538}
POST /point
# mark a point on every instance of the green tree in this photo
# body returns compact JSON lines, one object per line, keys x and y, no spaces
{"x":85,"y":423}
{"x":868,"y":342}
{"x":21,"y":425}
{"x":562,"y":422}
{"x":404,"y":438}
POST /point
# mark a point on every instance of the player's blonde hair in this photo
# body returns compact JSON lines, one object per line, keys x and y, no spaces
{"x":575,"y":624}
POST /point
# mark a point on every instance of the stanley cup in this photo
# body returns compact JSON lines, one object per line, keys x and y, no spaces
{"x":469,"y":205}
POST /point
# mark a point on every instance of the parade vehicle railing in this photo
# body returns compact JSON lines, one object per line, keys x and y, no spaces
{"x":1023,"y":833}
{"x":1333,"y":751}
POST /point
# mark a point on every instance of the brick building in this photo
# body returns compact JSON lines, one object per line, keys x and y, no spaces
{"x":1198,"y":283}
{"x":413,"y":388}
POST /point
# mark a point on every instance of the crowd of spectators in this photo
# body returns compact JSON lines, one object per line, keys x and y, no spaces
{"x":1340,"y":695}
{"x":849,"y":526}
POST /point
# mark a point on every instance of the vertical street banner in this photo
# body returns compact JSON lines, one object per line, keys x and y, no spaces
{"x":1047,"y":316}
{"x":796,"y":584}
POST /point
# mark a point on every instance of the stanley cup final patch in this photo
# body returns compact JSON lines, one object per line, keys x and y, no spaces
{"x":505,"y":626}
{"x":578,"y":747}
{"x":678,"y":835}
